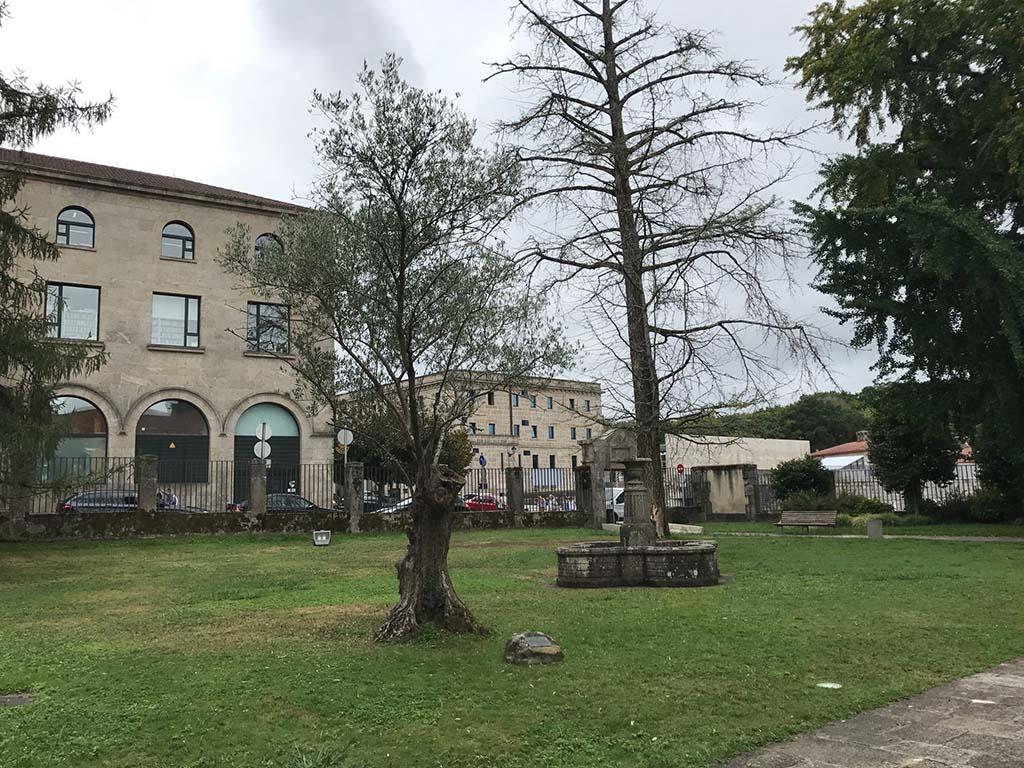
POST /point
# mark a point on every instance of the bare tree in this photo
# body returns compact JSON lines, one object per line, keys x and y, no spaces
{"x":396,"y":271}
{"x":659,"y":207}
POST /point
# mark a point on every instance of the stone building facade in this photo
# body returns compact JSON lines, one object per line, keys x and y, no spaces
{"x":539,"y":426}
{"x":193,"y":363}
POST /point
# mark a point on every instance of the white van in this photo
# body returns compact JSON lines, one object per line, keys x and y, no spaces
{"x":615,"y":504}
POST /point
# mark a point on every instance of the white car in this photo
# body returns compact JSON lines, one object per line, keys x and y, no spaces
{"x":615,"y":504}
{"x":395,"y":508}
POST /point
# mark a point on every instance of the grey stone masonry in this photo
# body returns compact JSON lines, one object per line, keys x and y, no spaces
{"x":974,"y":722}
{"x":637,"y":528}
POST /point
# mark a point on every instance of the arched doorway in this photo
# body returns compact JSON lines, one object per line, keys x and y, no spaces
{"x":82,"y":449}
{"x":283,"y":472}
{"x":176,"y":432}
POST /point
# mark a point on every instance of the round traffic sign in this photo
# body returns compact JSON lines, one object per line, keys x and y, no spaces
{"x":264,"y":432}
{"x":344,"y":437}
{"x":483,"y":460}
{"x":261,"y":449}
{"x":680,"y":468}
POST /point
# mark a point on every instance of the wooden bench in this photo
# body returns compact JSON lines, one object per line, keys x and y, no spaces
{"x":807,"y":520}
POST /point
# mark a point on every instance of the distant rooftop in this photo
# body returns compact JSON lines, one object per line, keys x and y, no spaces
{"x":62,"y":167}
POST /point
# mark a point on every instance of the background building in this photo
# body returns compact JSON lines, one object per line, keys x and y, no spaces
{"x":708,"y":450}
{"x":192,"y":367}
{"x":539,"y":426}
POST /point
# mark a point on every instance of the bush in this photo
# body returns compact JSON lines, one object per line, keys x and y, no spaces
{"x":802,"y":501}
{"x":889,"y":518}
{"x":805,"y":474}
{"x":855,"y":506}
{"x":986,"y":506}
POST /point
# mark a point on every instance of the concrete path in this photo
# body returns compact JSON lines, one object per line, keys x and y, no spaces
{"x":894,"y":537}
{"x":975,"y":722}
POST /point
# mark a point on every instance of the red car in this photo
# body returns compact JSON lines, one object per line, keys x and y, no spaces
{"x":483,"y":502}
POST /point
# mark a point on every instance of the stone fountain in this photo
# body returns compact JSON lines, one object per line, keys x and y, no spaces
{"x":638,"y":559}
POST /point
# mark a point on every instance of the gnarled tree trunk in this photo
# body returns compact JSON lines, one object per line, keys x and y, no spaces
{"x":426,"y":594}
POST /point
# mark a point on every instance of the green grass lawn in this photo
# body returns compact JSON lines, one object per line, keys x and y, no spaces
{"x":945,"y":529}
{"x":212,"y":652}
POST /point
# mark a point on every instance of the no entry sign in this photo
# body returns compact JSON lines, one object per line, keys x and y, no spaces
{"x":680,"y":468}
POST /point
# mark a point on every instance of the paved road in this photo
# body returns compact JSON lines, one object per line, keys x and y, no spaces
{"x":974,"y":722}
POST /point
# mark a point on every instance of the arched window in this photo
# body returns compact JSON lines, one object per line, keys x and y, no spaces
{"x":268,"y":244}
{"x":283,"y":473}
{"x":83,"y":429}
{"x":176,"y":432}
{"x":178,"y":241}
{"x":75,"y":226}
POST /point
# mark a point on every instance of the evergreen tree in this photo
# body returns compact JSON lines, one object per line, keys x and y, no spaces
{"x":920,"y":230}
{"x":30,"y":363}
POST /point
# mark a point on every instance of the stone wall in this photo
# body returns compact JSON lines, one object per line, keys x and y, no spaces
{"x":142,"y":524}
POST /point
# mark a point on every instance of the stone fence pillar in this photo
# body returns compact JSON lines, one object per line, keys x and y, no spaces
{"x":514,"y":494}
{"x":145,"y":478}
{"x":354,"y":494}
{"x":258,"y":487}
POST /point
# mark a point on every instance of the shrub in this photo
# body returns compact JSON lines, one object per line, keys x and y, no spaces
{"x":860,"y":505}
{"x":986,"y":506}
{"x":804,"y":474}
{"x":843,"y":521}
{"x":801,"y":501}
{"x":890,"y":518}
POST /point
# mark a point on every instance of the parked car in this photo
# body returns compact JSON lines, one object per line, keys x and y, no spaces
{"x":402,"y":506}
{"x":615,"y":504}
{"x":106,"y":500}
{"x":374,"y":503}
{"x":281,"y":502}
{"x":484,"y":502}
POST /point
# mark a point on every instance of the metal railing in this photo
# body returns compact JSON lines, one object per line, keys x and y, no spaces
{"x":862,"y":482}
{"x":95,"y":481}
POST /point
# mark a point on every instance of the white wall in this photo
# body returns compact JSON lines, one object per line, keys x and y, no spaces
{"x":715,"y":451}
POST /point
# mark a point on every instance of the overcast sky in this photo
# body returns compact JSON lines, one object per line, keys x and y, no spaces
{"x":218,"y":90}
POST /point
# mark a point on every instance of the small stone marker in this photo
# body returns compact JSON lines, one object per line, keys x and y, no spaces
{"x":532,"y":648}
{"x":15,"y":699}
{"x":874,"y":529}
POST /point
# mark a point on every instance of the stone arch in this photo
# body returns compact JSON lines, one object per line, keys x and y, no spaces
{"x":115,"y":420}
{"x":140,"y":405}
{"x":297,"y":412}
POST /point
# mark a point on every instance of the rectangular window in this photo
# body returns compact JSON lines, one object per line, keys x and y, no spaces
{"x":551,"y":433}
{"x":73,"y":311}
{"x":268,"y":328}
{"x":472,"y":427}
{"x":586,"y":406}
{"x":533,"y":401}
{"x":515,"y":400}
{"x":551,"y":403}
{"x":590,"y":433}
{"x":175,"y":320}
{"x":515,"y":430}
{"x":490,"y":398}
{"x":533,"y":431}
{"x":551,"y":461}
{"x":572,"y":403}
{"x":572,"y":432}
{"x":492,"y":429}
{"x":536,"y":461}
{"x":574,"y":461}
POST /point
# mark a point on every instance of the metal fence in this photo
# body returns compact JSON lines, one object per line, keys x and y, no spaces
{"x":862,"y":482}
{"x":70,"y":484}
{"x":770,"y":503}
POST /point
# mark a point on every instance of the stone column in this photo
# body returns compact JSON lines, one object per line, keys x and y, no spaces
{"x":514,"y":494}
{"x":145,"y":478}
{"x":354,"y":494}
{"x":637,"y":528}
{"x":598,"y":502}
{"x":584,"y":489}
{"x":258,"y":487}
{"x":753,"y":486}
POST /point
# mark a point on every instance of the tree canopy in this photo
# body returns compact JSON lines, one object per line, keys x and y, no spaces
{"x":919,"y":232}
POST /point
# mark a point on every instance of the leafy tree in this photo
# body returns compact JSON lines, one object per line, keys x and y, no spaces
{"x":659,"y":186}
{"x":30,"y":363}
{"x":398,"y":270}
{"x":803,"y":475}
{"x":910,"y":441}
{"x":919,"y":233}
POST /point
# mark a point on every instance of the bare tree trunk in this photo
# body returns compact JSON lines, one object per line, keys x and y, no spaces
{"x":426,"y":594}
{"x":641,"y":356}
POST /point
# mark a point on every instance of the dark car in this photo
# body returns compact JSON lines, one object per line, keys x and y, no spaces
{"x":281,"y":502}
{"x":106,"y":500}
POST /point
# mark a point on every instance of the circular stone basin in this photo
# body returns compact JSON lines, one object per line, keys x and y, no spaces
{"x":666,"y":564}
